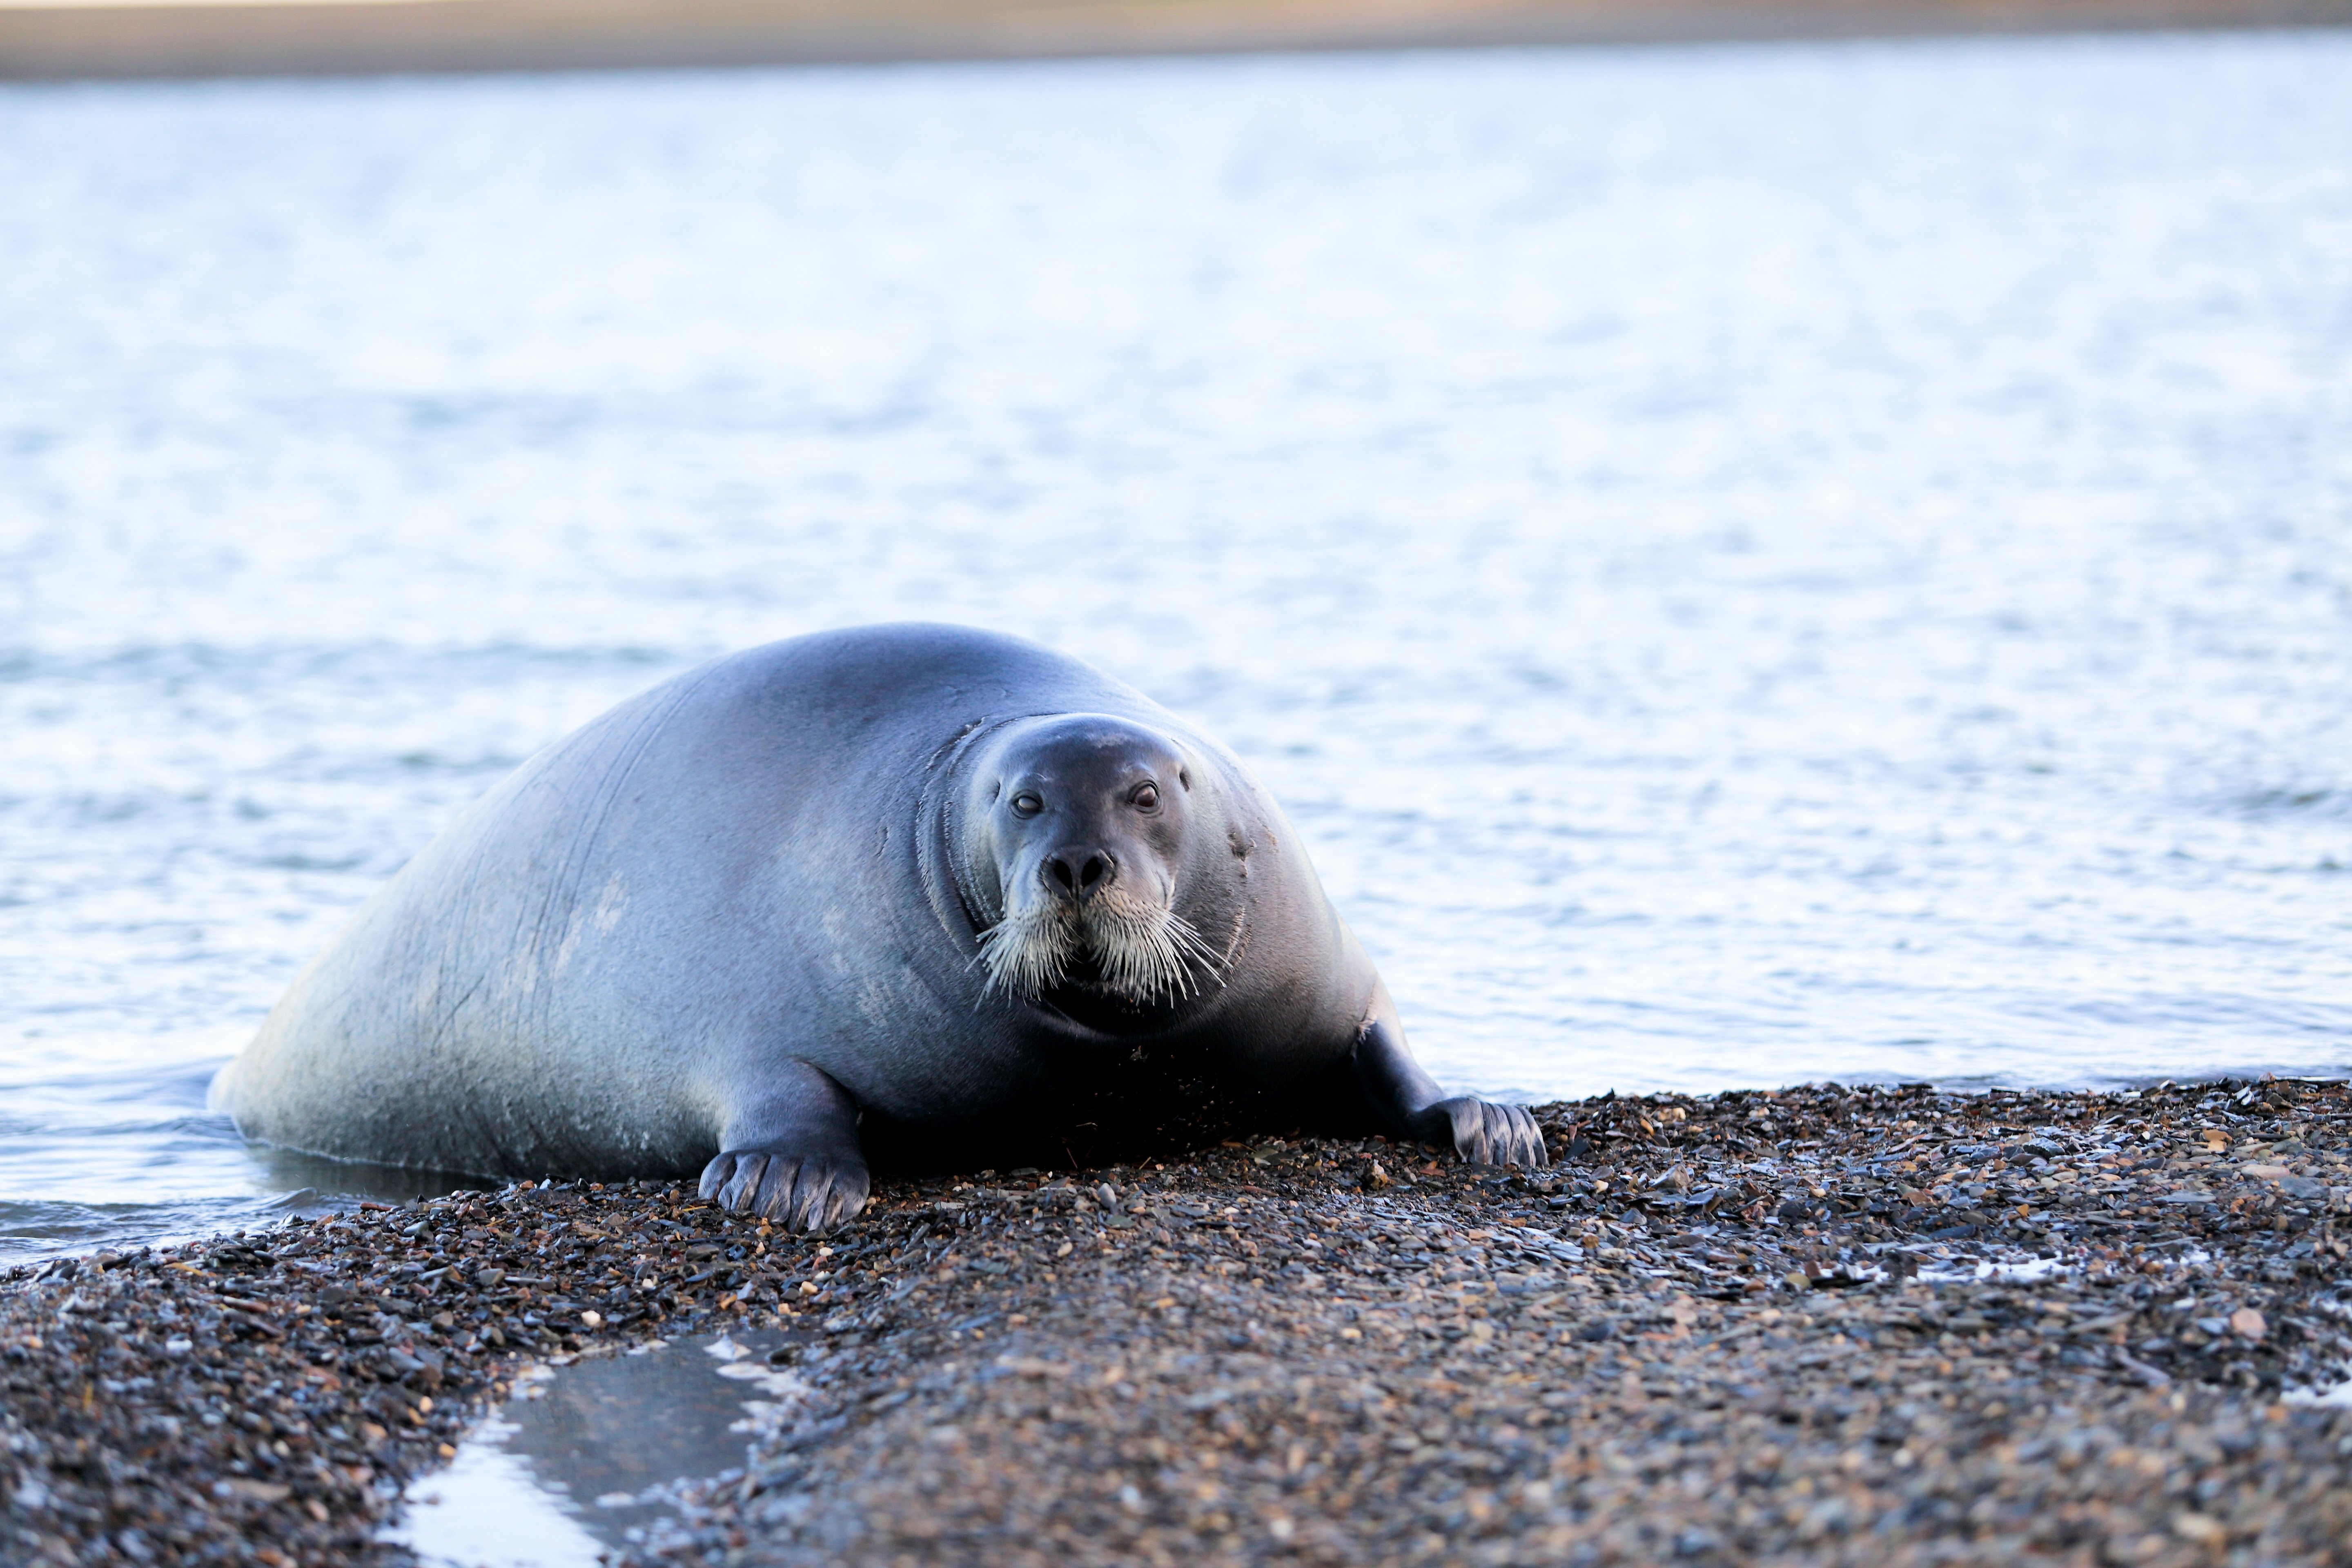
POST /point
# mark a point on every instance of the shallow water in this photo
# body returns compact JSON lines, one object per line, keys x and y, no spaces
{"x":584,"y":1460}
{"x":1748,"y":564}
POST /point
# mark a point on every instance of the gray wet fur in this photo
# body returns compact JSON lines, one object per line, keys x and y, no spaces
{"x":735,"y":925}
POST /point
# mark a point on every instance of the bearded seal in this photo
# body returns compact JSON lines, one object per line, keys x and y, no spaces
{"x":901,"y":892}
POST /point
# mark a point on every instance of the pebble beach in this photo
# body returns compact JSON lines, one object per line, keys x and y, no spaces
{"x":1822,"y":1325}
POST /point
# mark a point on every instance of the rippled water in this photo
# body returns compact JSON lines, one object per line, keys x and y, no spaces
{"x":1749,"y":564}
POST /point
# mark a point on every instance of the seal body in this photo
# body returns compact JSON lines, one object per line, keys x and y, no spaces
{"x":913,"y":891}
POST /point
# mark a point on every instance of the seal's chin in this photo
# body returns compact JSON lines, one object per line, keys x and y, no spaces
{"x":1137,"y":950}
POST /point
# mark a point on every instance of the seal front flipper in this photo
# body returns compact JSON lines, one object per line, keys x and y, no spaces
{"x":792,"y":1155}
{"x":1409,"y":1101}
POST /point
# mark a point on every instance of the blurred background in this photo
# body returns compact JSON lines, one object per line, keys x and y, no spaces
{"x":1750,"y":562}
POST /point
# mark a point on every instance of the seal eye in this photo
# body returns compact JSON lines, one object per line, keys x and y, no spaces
{"x":1145,"y":797}
{"x":1026,"y":804}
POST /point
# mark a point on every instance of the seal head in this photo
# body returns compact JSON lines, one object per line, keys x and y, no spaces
{"x":1080,"y":857}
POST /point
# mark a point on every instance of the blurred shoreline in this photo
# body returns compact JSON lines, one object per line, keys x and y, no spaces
{"x":103,"y":38}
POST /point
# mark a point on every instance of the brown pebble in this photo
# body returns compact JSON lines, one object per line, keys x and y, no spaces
{"x":1732,"y":1328}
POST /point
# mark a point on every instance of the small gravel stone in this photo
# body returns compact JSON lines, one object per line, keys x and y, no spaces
{"x":1873,"y":1326}
{"x":264,"y":1396}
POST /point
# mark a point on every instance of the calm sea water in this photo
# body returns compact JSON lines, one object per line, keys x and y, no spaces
{"x":1748,"y":564}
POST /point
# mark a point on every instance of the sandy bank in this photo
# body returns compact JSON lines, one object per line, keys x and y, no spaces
{"x":73,"y":38}
{"x":1823,"y":1326}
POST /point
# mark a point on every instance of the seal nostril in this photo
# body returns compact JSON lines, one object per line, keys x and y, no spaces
{"x":1079,"y":878}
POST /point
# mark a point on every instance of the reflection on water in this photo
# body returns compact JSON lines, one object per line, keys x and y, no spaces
{"x":583,"y":1457}
{"x":1746,"y":563}
{"x":102,"y":1140}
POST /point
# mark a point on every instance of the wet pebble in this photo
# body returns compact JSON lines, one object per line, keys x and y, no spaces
{"x":265,"y":1395}
{"x":1844,"y":1325}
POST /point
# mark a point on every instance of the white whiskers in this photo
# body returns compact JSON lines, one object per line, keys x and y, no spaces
{"x":1144,"y":951}
{"x":1028,"y":951}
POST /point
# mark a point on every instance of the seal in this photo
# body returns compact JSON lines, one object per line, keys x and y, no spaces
{"x":900,"y":894}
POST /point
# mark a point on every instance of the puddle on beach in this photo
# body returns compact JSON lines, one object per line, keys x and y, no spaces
{"x":582,"y":1457}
